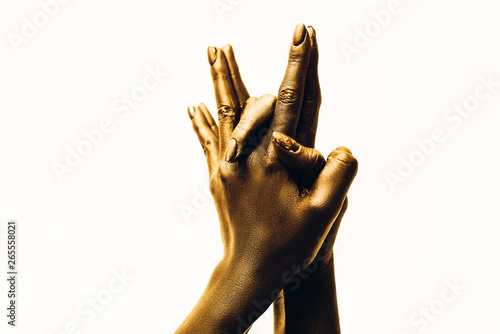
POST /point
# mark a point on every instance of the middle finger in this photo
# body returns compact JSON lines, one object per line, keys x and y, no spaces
{"x":228,"y":108}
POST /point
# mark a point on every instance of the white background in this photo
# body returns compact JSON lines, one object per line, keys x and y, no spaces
{"x":120,"y":208}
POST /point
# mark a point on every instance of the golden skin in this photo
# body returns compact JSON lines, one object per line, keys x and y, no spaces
{"x":278,"y":203}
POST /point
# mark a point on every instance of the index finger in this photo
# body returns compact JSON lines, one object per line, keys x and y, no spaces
{"x":291,"y":91}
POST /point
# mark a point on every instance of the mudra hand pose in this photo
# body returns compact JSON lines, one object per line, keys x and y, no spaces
{"x":279,"y":202}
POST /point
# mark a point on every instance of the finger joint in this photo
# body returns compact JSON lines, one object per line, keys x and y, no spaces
{"x":226,"y":111}
{"x":288,"y":96}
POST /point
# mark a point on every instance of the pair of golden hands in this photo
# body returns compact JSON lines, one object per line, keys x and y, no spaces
{"x":279,"y":202}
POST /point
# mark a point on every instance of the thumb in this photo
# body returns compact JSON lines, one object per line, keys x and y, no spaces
{"x":306,"y":161}
{"x":330,"y":188}
{"x":256,"y":113}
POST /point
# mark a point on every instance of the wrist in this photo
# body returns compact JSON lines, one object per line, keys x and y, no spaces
{"x":309,"y":304}
{"x":256,"y":264}
{"x":236,"y":295}
{"x":251,"y":287}
{"x":249,"y":272}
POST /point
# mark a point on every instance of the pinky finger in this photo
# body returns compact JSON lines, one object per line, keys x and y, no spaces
{"x":210,"y":119}
{"x":206,"y":137}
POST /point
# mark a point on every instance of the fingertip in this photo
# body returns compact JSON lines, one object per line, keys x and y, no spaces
{"x":231,"y":150}
{"x":285,"y":142}
{"x":250,"y":100}
{"x":314,"y":48}
{"x":212,"y":53}
{"x":345,"y":157}
{"x":190,"y":111}
{"x":270,"y":97}
{"x":286,"y":156}
{"x":277,"y":147}
{"x":344,"y":149}
{"x":278,"y":136}
{"x":299,"y":34}
{"x":312,"y":32}
{"x":204,"y":109}
{"x":228,"y":50}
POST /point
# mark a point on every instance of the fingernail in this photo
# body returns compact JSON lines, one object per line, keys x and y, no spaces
{"x":212,"y":54}
{"x":285,"y":141}
{"x":191,"y":112}
{"x":231,"y":150}
{"x":299,"y":34}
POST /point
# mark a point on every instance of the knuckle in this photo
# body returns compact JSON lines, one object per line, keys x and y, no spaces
{"x":225,"y":111}
{"x":242,"y":127}
{"x":347,"y":158}
{"x":206,"y":145}
{"x":288,"y":95}
{"x":223,"y":174}
{"x":318,"y":205}
{"x":344,"y":155}
{"x":213,"y":183}
{"x":295,"y":58}
{"x":212,"y":187}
